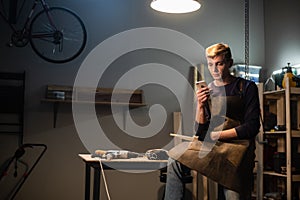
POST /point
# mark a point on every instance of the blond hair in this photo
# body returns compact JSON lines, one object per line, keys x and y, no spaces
{"x":219,"y":49}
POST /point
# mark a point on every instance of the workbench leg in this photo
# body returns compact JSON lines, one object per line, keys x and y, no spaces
{"x":87,"y":181}
{"x":96,"y":191}
{"x":195,"y":184}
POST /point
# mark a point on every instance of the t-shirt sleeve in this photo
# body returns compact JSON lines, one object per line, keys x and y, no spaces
{"x":201,"y":130}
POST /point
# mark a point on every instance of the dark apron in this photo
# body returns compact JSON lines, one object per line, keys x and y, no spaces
{"x":229,"y":163}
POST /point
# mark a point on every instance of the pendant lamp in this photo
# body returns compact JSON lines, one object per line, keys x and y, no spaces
{"x":175,"y":6}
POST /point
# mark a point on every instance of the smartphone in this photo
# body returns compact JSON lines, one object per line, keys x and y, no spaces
{"x":201,"y":84}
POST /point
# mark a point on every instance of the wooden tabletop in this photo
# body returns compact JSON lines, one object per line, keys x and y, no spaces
{"x":89,"y":158}
{"x":141,"y":163}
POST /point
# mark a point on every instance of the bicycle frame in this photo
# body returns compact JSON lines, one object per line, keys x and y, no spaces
{"x":12,"y":14}
{"x":44,"y":31}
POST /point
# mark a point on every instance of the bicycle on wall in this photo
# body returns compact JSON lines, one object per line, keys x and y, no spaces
{"x":56,"y":34}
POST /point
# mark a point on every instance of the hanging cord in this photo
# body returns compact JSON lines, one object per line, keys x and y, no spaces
{"x":247,"y":39}
{"x":104,"y":179}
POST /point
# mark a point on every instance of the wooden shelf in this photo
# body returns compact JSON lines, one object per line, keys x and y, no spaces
{"x":295,"y":177}
{"x":96,"y":103}
{"x":57,"y":94}
{"x":295,"y":133}
{"x":272,"y":173}
{"x":274,"y":93}
{"x":275,"y":132}
{"x":285,"y":104}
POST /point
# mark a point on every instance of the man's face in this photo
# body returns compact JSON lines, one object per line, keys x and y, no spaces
{"x":219,"y":67}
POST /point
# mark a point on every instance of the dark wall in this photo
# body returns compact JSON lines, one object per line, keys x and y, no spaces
{"x":281,"y":34}
{"x":60,"y":174}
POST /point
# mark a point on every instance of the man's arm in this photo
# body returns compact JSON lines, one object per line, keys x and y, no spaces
{"x":202,"y":95}
{"x":224,"y":135}
{"x":201,"y":118}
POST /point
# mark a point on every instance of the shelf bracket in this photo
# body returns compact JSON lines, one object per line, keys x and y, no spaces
{"x":55,"y":110}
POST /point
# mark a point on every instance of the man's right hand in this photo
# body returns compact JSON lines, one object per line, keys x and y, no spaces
{"x":202,"y":95}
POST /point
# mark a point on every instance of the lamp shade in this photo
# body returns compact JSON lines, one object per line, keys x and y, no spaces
{"x":175,"y":6}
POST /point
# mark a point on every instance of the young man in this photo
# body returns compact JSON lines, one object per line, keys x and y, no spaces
{"x":238,"y":103}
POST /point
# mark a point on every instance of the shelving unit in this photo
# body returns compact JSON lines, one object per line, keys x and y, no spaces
{"x":58,"y":94}
{"x":285,"y":175}
{"x":12,"y":89}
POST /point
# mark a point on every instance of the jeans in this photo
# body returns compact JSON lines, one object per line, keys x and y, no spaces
{"x":228,"y":194}
{"x":175,"y":186}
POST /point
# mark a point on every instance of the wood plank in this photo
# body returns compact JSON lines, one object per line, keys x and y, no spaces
{"x":101,"y":95}
{"x":288,"y":140}
{"x":259,"y":147}
{"x":298,"y":115}
{"x":177,"y":127}
{"x":89,"y":102}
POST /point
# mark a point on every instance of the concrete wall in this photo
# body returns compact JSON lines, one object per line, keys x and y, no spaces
{"x":281,"y":34}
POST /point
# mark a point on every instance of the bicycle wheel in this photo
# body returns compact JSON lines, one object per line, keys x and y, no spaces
{"x":57,"y":35}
